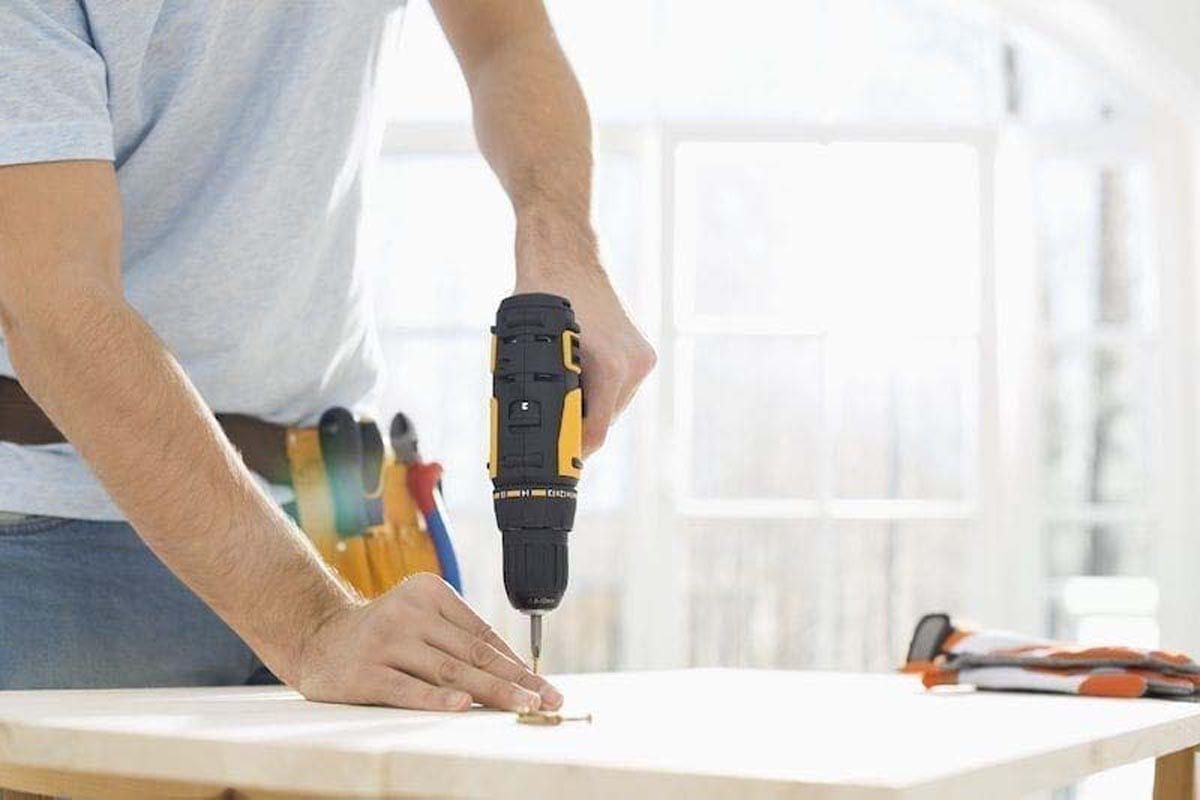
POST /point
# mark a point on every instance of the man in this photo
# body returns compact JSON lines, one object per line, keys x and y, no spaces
{"x":177,"y":220}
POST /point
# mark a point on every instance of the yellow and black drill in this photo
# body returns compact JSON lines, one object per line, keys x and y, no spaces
{"x":536,"y":448}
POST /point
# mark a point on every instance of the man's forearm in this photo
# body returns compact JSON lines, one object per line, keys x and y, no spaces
{"x":533,"y":127}
{"x":112,"y":387}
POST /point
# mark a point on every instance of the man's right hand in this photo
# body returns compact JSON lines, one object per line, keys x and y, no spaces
{"x":418,"y":646}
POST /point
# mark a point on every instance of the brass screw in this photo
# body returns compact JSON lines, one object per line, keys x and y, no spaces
{"x":549,"y":718}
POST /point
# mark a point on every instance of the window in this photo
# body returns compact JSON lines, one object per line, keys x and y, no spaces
{"x":803,"y":214}
{"x":1101,"y":352}
{"x":826,"y":383}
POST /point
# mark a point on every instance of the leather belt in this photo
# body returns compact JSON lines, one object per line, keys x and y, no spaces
{"x":263,"y":445}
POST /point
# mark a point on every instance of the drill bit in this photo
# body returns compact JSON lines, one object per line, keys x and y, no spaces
{"x":535,"y":640}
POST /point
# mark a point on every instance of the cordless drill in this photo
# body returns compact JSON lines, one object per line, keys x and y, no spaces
{"x":536,"y":448}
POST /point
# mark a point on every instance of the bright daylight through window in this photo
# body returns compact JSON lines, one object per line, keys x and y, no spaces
{"x":808,"y":232}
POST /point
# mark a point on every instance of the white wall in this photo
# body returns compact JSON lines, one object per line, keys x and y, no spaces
{"x":1172,"y":25}
{"x":1153,"y":43}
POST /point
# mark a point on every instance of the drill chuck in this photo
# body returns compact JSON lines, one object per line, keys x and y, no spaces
{"x":536,"y":444}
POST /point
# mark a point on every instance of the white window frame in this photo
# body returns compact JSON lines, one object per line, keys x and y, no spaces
{"x":666,"y":626}
{"x":1166,"y":353}
{"x":1170,"y":136}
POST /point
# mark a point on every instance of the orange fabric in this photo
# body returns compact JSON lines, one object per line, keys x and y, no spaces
{"x":939,"y":677}
{"x":1170,"y":657}
{"x":1067,"y":653}
{"x":1117,"y":684}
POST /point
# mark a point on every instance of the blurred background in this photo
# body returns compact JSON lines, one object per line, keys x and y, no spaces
{"x":920,"y":278}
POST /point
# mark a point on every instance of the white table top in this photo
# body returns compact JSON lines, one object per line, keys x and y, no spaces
{"x":695,"y":733}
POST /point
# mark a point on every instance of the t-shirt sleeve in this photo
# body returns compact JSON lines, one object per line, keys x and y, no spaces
{"x":53,"y":85}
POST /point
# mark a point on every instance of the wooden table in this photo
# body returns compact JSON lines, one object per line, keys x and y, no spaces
{"x":693,"y":734}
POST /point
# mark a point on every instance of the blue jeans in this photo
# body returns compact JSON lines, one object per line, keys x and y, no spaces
{"x":88,"y":605}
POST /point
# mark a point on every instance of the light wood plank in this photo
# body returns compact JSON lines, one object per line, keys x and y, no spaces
{"x":700,"y":733}
{"x":42,"y":784}
{"x":34,"y":782}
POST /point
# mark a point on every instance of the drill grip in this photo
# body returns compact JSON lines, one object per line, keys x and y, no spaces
{"x":536,"y":455}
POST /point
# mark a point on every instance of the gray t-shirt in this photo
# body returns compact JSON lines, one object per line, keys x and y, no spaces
{"x":239,"y":131}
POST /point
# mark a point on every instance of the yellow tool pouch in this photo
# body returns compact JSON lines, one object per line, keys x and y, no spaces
{"x":405,"y":523}
{"x":382,"y":555}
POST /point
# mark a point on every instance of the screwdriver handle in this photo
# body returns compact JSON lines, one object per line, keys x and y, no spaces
{"x":342,"y":451}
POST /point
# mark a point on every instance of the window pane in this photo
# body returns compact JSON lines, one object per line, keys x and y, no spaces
{"x":931,"y":571}
{"x":1096,"y":426}
{"x":620,"y":222}
{"x":419,"y":80}
{"x":779,"y":230}
{"x":1057,"y":86}
{"x":904,"y":419}
{"x":910,"y":61}
{"x":1093,"y":239}
{"x":757,"y":593}
{"x":1099,"y":548}
{"x":795,"y":595}
{"x":438,"y":239}
{"x":888,"y":575}
{"x":756,"y":417}
{"x":443,"y":385}
{"x":616,"y":87}
{"x":862,"y":596}
{"x":926,"y":61}
{"x":762,"y":58}
{"x":1105,"y":610}
{"x":850,"y":61}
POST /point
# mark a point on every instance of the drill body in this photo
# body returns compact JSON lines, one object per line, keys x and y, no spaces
{"x":536,"y":446}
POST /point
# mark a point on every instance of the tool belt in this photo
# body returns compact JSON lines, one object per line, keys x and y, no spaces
{"x":401,"y":530}
{"x":263,"y":445}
